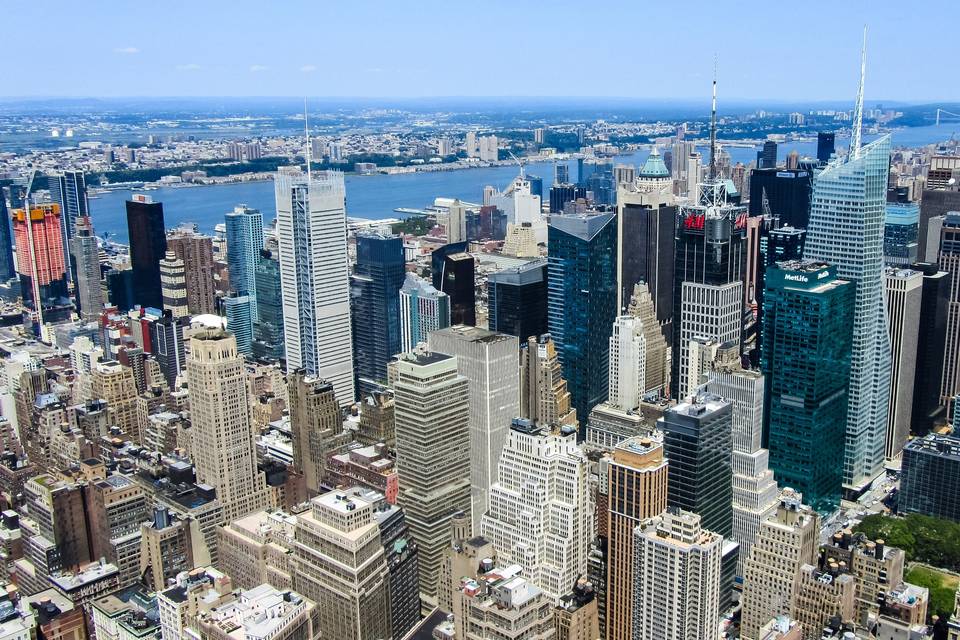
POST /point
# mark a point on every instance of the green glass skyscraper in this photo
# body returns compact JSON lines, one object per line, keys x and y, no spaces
{"x":805,"y":357}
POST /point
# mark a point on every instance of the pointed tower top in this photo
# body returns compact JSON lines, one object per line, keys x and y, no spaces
{"x":306,"y":131}
{"x":713,"y":126}
{"x":858,"y":107}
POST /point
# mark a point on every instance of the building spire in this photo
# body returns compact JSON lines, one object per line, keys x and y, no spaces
{"x":306,"y":132}
{"x":858,"y":107}
{"x":713,"y":125}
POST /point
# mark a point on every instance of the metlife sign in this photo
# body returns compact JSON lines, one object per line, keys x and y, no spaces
{"x":800,"y":279}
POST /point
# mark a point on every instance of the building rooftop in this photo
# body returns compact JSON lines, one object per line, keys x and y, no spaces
{"x":933,"y":443}
{"x":258,"y":613}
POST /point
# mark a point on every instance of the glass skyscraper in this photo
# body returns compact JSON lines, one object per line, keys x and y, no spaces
{"x":901,"y":231}
{"x":582,"y":302}
{"x":268,"y":330}
{"x":846,"y":229}
{"x":517,"y":300}
{"x":375,"y":307}
{"x":244,"y":228}
{"x":148,"y":246}
{"x":808,"y":318}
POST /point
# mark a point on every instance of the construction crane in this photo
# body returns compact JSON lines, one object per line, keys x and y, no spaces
{"x":949,"y":113}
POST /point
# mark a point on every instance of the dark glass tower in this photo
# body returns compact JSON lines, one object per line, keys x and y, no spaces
{"x":647,"y":255}
{"x":825,"y":145}
{"x":787,"y":194}
{"x":169,"y":346}
{"x":268,"y":330}
{"x":69,"y":190}
{"x":7,"y":270}
{"x":931,"y":345}
{"x":698,"y":442}
{"x":805,"y":358}
{"x":930,"y":483}
{"x":517,"y":300}
{"x":776,"y":245}
{"x":582,"y":302}
{"x":148,"y":245}
{"x":768,"y":156}
{"x":375,"y":307}
{"x":453,"y":273}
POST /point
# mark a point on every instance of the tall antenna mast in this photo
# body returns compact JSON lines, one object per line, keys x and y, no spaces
{"x":306,"y":132}
{"x":858,"y":107}
{"x":713,"y":125}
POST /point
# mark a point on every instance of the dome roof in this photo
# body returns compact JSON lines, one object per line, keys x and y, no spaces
{"x":654,"y":166}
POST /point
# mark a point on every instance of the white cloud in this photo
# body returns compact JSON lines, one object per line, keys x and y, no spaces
{"x":256,"y":68}
{"x":190,"y":66}
{"x":127,"y":51}
{"x":308,"y":68}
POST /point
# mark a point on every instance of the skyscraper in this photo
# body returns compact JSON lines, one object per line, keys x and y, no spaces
{"x":931,"y":347}
{"x":787,"y":540}
{"x":315,"y":424}
{"x":517,"y":300}
{"x":540,"y":515}
{"x":222,"y":448}
{"x":904,"y":296}
{"x":7,"y":269}
{"x":244,"y":243}
{"x":582,"y":301}
{"x":647,"y":222}
{"x":767,"y":158}
{"x":637,"y":489}
{"x":422,"y":309}
{"x":240,"y":311}
{"x":268,"y":331}
{"x":453,"y":273}
{"x":433,"y":455}
{"x":697,"y":442}
{"x":901,"y":233}
{"x":69,"y":190}
{"x":169,"y":346}
{"x":785,"y":193}
{"x":846,"y":230}
{"x":808,"y":320}
{"x":544,"y":397}
{"x":677,"y":585}
{"x":86,"y":260}
{"x":708,"y":295}
{"x":196,"y":251}
{"x":42,"y":263}
{"x":314,"y":274}
{"x":339,"y":563}
{"x":825,"y":145}
{"x":375,"y":307}
{"x":457,"y":223}
{"x":489,"y":361}
{"x":148,"y":245}
{"x":173,"y":285}
{"x":754,"y":488}
{"x":949,"y":262}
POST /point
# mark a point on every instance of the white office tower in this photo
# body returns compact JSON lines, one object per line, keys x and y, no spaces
{"x":628,"y":361}
{"x":470,"y":144}
{"x":432,"y":413}
{"x":489,"y":361}
{"x":541,"y":515}
{"x":847,"y":214}
{"x":456,"y":222}
{"x":173,"y":285}
{"x":904,"y":288}
{"x":314,"y":276}
{"x":754,"y":487}
{"x":521,"y":206}
{"x":676,"y":572}
{"x":693,"y":174}
{"x":520,"y":241}
{"x":222,"y":445}
{"x":788,"y":539}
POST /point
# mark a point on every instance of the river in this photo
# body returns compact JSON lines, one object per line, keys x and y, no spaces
{"x":376,"y":196}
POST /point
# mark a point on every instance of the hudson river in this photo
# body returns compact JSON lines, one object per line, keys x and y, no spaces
{"x":376,"y":196}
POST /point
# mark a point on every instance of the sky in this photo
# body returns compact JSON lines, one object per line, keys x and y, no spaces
{"x":656,"y":49}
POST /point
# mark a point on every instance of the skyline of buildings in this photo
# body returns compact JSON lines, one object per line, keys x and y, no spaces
{"x":328,"y":428}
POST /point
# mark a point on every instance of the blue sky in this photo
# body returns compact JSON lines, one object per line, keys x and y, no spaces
{"x":797,"y":50}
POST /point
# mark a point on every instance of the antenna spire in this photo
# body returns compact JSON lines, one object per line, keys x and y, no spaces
{"x":306,"y":132}
{"x":858,"y":107}
{"x":713,"y":125}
